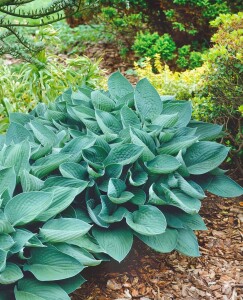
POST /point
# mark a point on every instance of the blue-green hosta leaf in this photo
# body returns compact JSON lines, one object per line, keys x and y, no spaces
{"x":20,"y":118}
{"x":48,"y":264}
{"x":40,"y":151}
{"x":147,"y":220}
{"x":180,"y":219}
{"x":7,"y":180}
{"x":21,"y":237}
{"x":51,"y":115}
{"x":44,"y":135}
{"x":177,"y":198}
{"x":123,"y":154}
{"x":176,"y":144}
{"x":127,"y":100}
{"x":66,"y":182}
{"x":139,"y":197}
{"x":116,"y":191}
{"x":206,"y":131}
{"x":69,"y":285}
{"x":203,"y":157}
{"x":75,"y":146}
{"x":30,"y":182}
{"x":190,"y":188}
{"x":156,"y":195}
{"x":87,"y":242}
{"x":102,"y":102}
{"x":167,"y":97}
{"x":25,"y":207}
{"x":224,"y":186}
{"x":32,"y":289}
{"x":182,"y":108}
{"x":34,"y":242}
{"x":187,"y":243}
{"x":45,"y":165}
{"x":137,"y":176}
{"x":183,"y":168}
{"x":147,"y":100}
{"x":63,"y":229}
{"x":110,"y":212}
{"x":83,"y":256}
{"x":116,"y":242}
{"x":166,"y":121}
{"x":129,"y":118}
{"x":166,"y":135}
{"x":143,"y":139}
{"x":77,"y":213}
{"x":3,"y":259}
{"x":107,"y":122}
{"x":73,"y":170}
{"x":94,"y":211}
{"x":11,"y":274}
{"x":5,"y":226}
{"x":164,"y":243}
{"x":119,"y":86}
{"x":92,"y":126}
{"x":17,"y":156}
{"x":17,"y":133}
{"x":95,"y":156}
{"x":6,"y":241}
{"x":95,"y":173}
{"x":163,"y":164}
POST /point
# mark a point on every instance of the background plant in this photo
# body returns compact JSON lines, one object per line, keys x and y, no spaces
{"x":124,"y":161}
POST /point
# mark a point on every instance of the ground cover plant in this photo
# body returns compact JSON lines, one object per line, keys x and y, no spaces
{"x":83,"y":175}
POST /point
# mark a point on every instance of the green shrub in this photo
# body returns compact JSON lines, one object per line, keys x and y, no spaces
{"x":147,"y":45}
{"x":126,"y":162}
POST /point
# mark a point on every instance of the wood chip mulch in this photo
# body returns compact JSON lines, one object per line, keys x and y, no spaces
{"x":146,"y":274}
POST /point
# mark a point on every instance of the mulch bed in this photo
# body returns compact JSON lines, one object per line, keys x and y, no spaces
{"x":146,"y":274}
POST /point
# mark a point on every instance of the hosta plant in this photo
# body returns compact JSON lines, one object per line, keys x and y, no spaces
{"x":82,"y":176}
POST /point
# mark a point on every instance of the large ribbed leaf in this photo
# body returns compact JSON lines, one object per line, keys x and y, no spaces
{"x":17,"y":156}
{"x":83,"y":256}
{"x":73,"y":170}
{"x":166,"y":121}
{"x":11,"y":274}
{"x":147,"y":100}
{"x":48,"y":264}
{"x":129,"y":118}
{"x":21,"y":237}
{"x":110,"y":212}
{"x":116,"y":242}
{"x":17,"y":133}
{"x":182,"y":108}
{"x":71,"y":284}
{"x":176,"y":144}
{"x":30,"y":182}
{"x":164,"y":243}
{"x":6,"y":241}
{"x":116,"y":191}
{"x":143,"y":139}
{"x":107,"y":122}
{"x":206,"y":131}
{"x":203,"y":157}
{"x":44,"y":135}
{"x":187,"y":243}
{"x":102,"y":102}
{"x":5,"y":226}
{"x":63,"y":229}
{"x":95,"y":156}
{"x":124,"y":154}
{"x":147,"y":220}
{"x":177,"y":198}
{"x":45,"y":165}
{"x":76,"y":145}
{"x":163,"y":164}
{"x":119,"y":86}
{"x":87,"y":242}
{"x":190,"y":187}
{"x":180,"y":219}
{"x":3,"y":259}
{"x":223,"y":186}
{"x":7,"y":180}
{"x":25,"y":207}
{"x":32,"y":289}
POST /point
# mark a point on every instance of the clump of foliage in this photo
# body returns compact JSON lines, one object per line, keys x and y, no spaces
{"x":83,"y":175}
{"x":223,"y":83}
{"x":22,"y":86}
{"x":215,"y":88}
